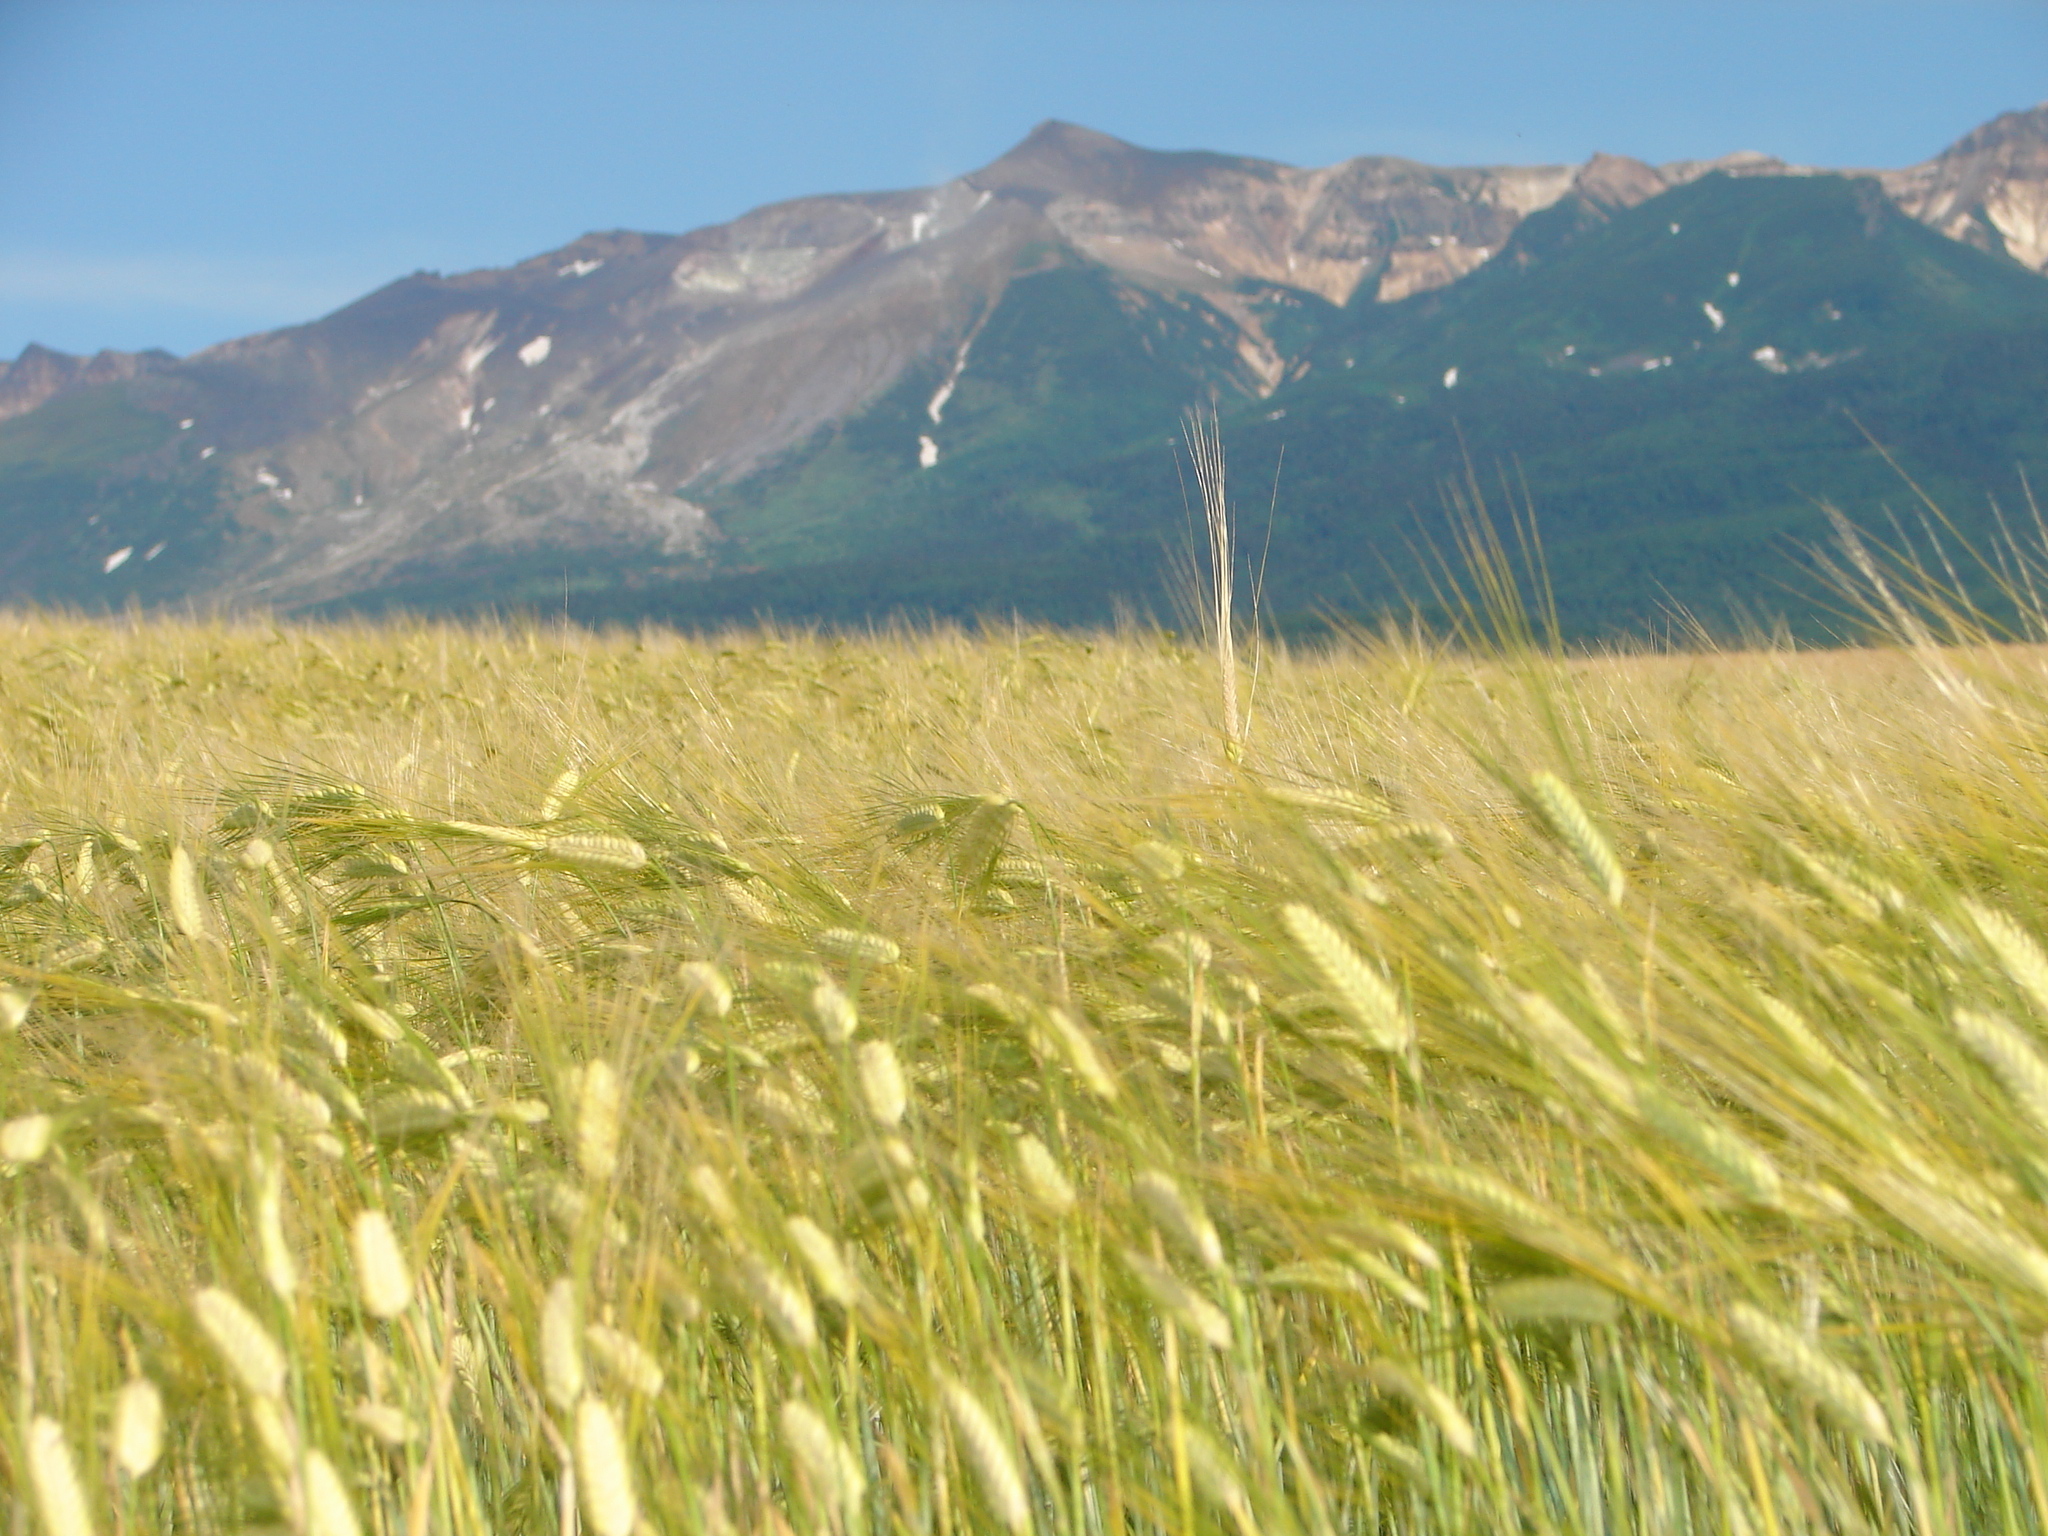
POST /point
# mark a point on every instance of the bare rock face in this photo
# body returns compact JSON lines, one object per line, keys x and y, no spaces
{"x":1203,"y":221}
{"x":1988,"y":189}
{"x":41,"y":374}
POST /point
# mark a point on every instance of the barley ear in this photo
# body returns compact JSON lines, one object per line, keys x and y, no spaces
{"x":60,"y":1496}
{"x":328,"y":1511}
{"x":1357,"y":986}
{"x":1570,"y":825}
{"x":561,"y":1346}
{"x":181,"y":892}
{"x":241,"y":1341}
{"x":599,"y":1097}
{"x":138,"y":1437}
{"x":1786,"y":1353}
{"x":604,"y":1475}
{"x":989,"y":1452}
{"x":383,"y":1278}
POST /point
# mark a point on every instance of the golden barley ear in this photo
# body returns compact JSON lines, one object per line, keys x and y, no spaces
{"x":1566,"y":820}
{"x":53,"y":1475}
{"x":1788,"y":1355}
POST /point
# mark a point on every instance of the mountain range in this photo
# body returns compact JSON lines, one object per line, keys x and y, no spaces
{"x":963,"y":399}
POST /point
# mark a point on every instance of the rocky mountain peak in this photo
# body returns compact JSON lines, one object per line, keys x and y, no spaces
{"x":1616,"y":181}
{"x":1059,"y":159}
{"x":1988,"y":189}
{"x":41,"y":373}
{"x":2009,"y":134}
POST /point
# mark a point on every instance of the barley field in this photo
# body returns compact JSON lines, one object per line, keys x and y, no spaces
{"x":508,"y":1079}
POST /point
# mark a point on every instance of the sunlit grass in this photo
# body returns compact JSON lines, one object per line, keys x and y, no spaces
{"x":930,"y":1084}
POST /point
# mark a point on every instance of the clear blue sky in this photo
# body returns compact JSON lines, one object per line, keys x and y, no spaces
{"x":175,"y":172}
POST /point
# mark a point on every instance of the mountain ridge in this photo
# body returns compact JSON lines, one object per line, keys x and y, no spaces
{"x":602,"y":402}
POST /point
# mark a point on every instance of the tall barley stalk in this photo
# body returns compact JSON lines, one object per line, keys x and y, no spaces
{"x":1218,"y":569}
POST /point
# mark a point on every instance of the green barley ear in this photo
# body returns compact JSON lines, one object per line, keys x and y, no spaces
{"x":1180,"y":1218}
{"x":1077,"y":1047}
{"x":1730,"y":1155}
{"x":242,"y":1342}
{"x":781,"y":1300}
{"x":1571,"y":826}
{"x":856,"y":946}
{"x":834,"y":1471}
{"x":1428,"y":1399}
{"x":704,"y":985}
{"x":1180,"y":1301}
{"x":1563,"y":1043}
{"x":981,"y":835}
{"x":1994,"y":1248}
{"x":824,"y":1260}
{"x":832,"y":1013}
{"x":596,"y":850}
{"x":279,"y":1263}
{"x":1042,"y":1178}
{"x":1552,"y":1299}
{"x":1358,"y":987}
{"x":1215,"y":1474}
{"x":989,"y":1452}
{"x":565,"y":785}
{"x":625,"y":1360}
{"x":1786,"y":1353}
